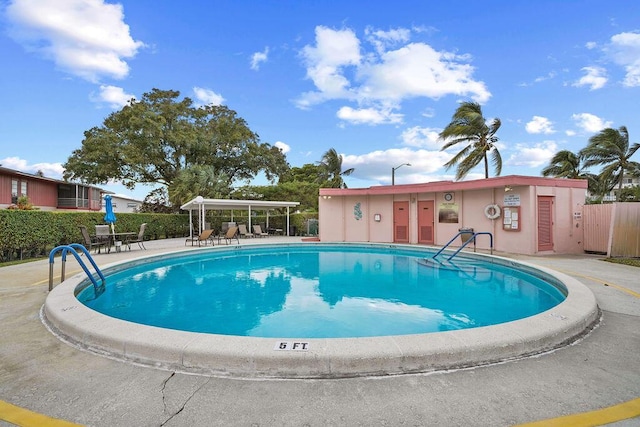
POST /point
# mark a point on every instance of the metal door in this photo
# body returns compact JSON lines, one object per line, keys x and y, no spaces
{"x":545,"y":223}
{"x":426,"y":220}
{"x":401,"y":222}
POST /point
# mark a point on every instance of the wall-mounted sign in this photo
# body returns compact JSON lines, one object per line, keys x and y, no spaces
{"x":511,"y":200}
{"x":448,"y":213}
{"x":511,"y":218}
{"x":448,"y":197}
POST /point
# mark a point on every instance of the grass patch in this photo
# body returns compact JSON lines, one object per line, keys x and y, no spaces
{"x":633,"y":262}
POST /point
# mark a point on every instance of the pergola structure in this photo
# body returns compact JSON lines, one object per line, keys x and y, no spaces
{"x":201,"y":205}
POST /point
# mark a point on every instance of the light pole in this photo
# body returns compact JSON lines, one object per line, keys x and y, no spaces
{"x":393,"y":172}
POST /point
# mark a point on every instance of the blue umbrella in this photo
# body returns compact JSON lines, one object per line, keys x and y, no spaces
{"x":109,"y":217}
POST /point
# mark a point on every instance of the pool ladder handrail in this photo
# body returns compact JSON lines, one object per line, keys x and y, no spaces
{"x":472,"y":238}
{"x":73,"y":249}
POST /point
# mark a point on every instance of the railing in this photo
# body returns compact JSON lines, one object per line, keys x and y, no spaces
{"x":471,"y":239}
{"x":72,"y":248}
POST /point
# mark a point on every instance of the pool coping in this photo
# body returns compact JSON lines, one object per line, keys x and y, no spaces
{"x":250,"y":357}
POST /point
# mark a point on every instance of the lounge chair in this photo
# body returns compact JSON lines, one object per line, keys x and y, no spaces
{"x":232,"y":233}
{"x":140,"y":239}
{"x":90,"y":243}
{"x":242,"y":229}
{"x":204,"y":237}
{"x":257,"y":231}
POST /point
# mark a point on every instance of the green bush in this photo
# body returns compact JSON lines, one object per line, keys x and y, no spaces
{"x":32,"y":233}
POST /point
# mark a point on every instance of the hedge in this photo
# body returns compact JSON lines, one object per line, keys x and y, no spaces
{"x":33,"y":233}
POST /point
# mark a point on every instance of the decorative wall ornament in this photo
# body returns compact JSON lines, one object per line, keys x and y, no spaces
{"x":357,"y":212}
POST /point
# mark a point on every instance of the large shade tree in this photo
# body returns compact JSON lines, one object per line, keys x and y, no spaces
{"x":156,"y":139}
{"x":331,"y":172}
{"x":469,"y":126}
{"x":610,"y":149}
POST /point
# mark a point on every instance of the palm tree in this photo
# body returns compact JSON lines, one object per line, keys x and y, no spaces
{"x":564,"y":164}
{"x":198,"y":180}
{"x":331,"y":172}
{"x":599,"y":186}
{"x":468,"y":125}
{"x":610,"y":148}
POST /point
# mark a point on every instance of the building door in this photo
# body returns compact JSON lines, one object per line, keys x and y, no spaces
{"x":401,"y":222}
{"x":425,"y":222}
{"x":545,"y":223}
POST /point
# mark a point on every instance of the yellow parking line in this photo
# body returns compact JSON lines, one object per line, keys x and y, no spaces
{"x":23,"y":417}
{"x":623,"y":411}
{"x":604,"y":282}
{"x":56,"y":279}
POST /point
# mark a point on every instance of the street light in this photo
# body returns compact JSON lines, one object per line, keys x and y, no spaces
{"x":393,"y":172}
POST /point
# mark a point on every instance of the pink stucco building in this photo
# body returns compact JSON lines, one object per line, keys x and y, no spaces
{"x":525,"y":214}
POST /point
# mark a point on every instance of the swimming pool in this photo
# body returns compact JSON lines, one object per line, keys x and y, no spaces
{"x":321,"y":291}
{"x":300,"y":357}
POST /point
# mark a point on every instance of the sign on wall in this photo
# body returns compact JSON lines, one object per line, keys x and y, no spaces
{"x":448,"y":213}
{"x":511,"y":218}
{"x":511,"y":200}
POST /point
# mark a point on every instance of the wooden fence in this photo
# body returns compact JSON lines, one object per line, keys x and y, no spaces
{"x":612,"y":229}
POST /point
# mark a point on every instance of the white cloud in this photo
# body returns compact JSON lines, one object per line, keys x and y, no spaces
{"x":625,"y":49}
{"x":334,"y":49}
{"x":259,"y":57}
{"x":86,"y":38}
{"x":50,"y":170}
{"x":285,"y":148}
{"x":421,"y":137}
{"x":590,"y":123}
{"x":539,"y":124}
{"x":207,"y":96}
{"x":112,"y":95}
{"x":382,"y":40}
{"x":595,"y":78}
{"x":371,"y":116}
{"x":376,"y":166}
{"x":418,"y":70}
{"x":341,"y":69}
{"x":591,"y":45}
{"x":570,"y":132}
{"x":533,"y":156}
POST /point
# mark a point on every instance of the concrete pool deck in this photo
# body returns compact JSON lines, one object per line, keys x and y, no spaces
{"x":42,"y":374}
{"x":251,"y":357}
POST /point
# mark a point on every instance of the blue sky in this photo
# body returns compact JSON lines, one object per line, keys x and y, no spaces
{"x":377,"y":81}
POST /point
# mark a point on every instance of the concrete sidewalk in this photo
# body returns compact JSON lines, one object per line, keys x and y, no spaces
{"x":40,"y":373}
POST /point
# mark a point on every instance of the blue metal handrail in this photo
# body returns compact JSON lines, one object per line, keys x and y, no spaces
{"x":73,"y":249}
{"x":472,"y":238}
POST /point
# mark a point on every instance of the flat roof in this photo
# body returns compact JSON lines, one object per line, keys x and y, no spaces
{"x":227,"y":204}
{"x":445,"y":186}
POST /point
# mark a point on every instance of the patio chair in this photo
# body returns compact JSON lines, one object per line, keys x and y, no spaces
{"x":90,"y":243}
{"x":242,"y":229}
{"x":204,"y":237}
{"x":103,"y":234}
{"x":257,"y":231}
{"x":232,"y":233}
{"x":140,"y":239}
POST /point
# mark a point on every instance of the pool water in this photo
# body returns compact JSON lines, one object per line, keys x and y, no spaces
{"x":319,"y":291}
